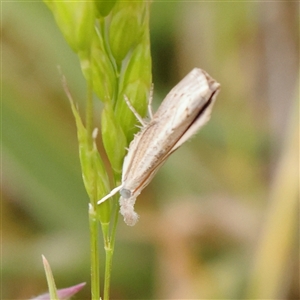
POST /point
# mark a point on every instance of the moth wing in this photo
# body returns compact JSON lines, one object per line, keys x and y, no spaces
{"x":185,"y":109}
{"x":131,"y":151}
{"x":200,"y":121}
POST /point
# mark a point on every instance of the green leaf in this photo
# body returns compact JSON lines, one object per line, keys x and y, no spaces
{"x":76,"y":21}
{"x":50,"y":280}
{"x":93,"y":172}
{"x":104,"y":7}
{"x":102,"y":70}
{"x":114,"y":140}
{"x":126,"y":28}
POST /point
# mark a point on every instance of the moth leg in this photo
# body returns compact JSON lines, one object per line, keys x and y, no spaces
{"x":140,"y":119}
{"x":150,"y":112}
{"x":113,"y":192}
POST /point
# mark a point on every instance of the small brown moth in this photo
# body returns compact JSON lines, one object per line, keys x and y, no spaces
{"x":182,"y":113}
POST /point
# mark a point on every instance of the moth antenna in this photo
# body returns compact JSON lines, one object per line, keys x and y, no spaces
{"x":140,"y":119}
{"x":113,"y":192}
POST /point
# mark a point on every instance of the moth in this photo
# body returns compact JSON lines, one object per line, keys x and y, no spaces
{"x":182,"y":113}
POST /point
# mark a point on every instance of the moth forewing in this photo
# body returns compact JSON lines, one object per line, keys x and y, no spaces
{"x":194,"y":82}
{"x":201,"y":119}
{"x":184,"y":110}
{"x":139,"y":160}
{"x":131,"y":155}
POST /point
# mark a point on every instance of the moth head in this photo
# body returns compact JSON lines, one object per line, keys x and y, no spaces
{"x":127,"y":202}
{"x":125,"y":193}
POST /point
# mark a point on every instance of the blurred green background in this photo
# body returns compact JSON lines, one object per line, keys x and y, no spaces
{"x":220,"y":219}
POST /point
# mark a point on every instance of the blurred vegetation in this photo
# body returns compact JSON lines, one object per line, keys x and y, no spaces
{"x":220,"y":219}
